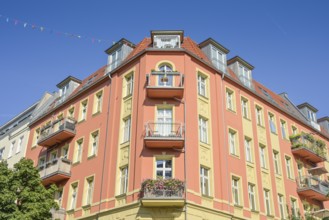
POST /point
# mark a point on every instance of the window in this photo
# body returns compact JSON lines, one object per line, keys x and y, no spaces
{"x":19,"y":144}
{"x":83,"y":113}
{"x":42,"y":162}
{"x":262,"y":155}
{"x":129,"y":84}
{"x":71,"y":112}
{"x":272,"y":123}
{"x":114,"y":59}
{"x":300,"y":170}
{"x":165,"y":79}
{"x":230,"y":99}
{"x":164,"y":121}
{"x":123,"y":180}
{"x":294,"y":130}
{"x":94,"y":143}
{"x":203,"y":130}
{"x":311,"y":115}
{"x":218,"y":58}
{"x":2,"y":150}
{"x":294,"y":209}
{"x":78,"y":150}
{"x":59,"y":197}
{"x":247,"y":145}
{"x":245,"y":76}
{"x":235,"y":190}
{"x":164,"y":169}
{"x":74,"y":195}
{"x":65,"y":152}
{"x":245,"y":107}
{"x":276,"y":159}
{"x":204,"y":181}
{"x":53,"y":156}
{"x":36,"y":136}
{"x":98,"y":102}
{"x":89,"y":190}
{"x":281,"y":206}
{"x":252,"y":196}
{"x":202,"y":85}
{"x":283,"y":129}
{"x":267,"y":201}
{"x":259,"y":116}
{"x":11,"y":149}
{"x":166,"y":41}
{"x":289,"y":168}
{"x":126,"y":130}
{"x":232,"y":142}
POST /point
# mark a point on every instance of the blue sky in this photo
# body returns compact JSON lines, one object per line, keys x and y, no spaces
{"x":286,"y":41}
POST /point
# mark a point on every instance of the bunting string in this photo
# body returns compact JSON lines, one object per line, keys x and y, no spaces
{"x":26,"y":25}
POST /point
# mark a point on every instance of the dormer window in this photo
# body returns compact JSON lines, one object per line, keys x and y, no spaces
{"x":242,"y":69}
{"x":167,"y":39}
{"x":311,"y":115}
{"x":117,"y":53}
{"x":245,"y":76}
{"x":215,"y":52}
{"x":67,"y":86}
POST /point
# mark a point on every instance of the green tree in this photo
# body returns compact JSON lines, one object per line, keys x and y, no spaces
{"x":22,"y":195}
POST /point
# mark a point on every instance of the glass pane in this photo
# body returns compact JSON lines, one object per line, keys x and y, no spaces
{"x":159,"y":174}
{"x":168,"y":174}
{"x":168,"y":163}
{"x":160,"y":163}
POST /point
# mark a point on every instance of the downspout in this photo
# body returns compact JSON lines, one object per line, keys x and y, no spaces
{"x":105,"y":148}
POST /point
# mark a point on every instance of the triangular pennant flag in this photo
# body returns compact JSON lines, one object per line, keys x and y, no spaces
{"x":25,"y":24}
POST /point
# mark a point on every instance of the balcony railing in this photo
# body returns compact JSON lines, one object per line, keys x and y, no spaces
{"x":58,"y":214}
{"x":164,"y":135}
{"x":163,"y":192}
{"x":165,"y":85}
{"x":57,"y":132}
{"x":313,"y":188}
{"x":304,"y":145}
{"x":55,"y":171}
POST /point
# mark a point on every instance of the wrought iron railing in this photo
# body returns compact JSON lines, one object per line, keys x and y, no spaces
{"x":164,"y":130}
{"x":57,"y":126}
{"x":314,"y":183}
{"x":306,"y":141}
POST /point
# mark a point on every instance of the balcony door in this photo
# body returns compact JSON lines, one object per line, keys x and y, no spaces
{"x":165,"y":79}
{"x":164,"y":121}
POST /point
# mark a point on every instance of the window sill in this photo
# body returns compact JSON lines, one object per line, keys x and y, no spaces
{"x":261,"y":126}
{"x":207,"y":196}
{"x":70,"y":211}
{"x":238,"y":206}
{"x":231,"y":110}
{"x":250,"y":164}
{"x":203,"y":97}
{"x":127,"y":96}
{"x":76,"y":163}
{"x":274,"y":133}
{"x":264,"y":170}
{"x":235,"y":156}
{"x":254,"y":211}
{"x":81,"y":121}
{"x":87,"y":206}
{"x":120,"y":196}
{"x":91,"y":156}
{"x":33,"y":147}
{"x":246,"y":118}
{"x":96,"y":113}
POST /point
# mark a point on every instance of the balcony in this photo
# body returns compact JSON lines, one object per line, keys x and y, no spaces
{"x":58,"y":214}
{"x":57,"y":132}
{"x":165,"y":85}
{"x":320,"y":169}
{"x":163,"y":193}
{"x":313,"y":188}
{"x":164,"y":135}
{"x":55,"y":171}
{"x":307,"y":147}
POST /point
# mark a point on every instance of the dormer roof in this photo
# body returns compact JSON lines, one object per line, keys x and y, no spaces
{"x":168,"y":32}
{"x":240,"y":60}
{"x":214,"y":43}
{"x":67,"y":80}
{"x":308,"y":105}
{"x":118,"y":44}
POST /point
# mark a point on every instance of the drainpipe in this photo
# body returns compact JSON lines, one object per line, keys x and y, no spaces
{"x":105,"y":148}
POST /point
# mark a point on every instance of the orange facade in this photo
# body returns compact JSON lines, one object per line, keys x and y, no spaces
{"x":140,"y":121}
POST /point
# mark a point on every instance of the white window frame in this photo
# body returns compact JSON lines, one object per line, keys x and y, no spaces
{"x":74,"y":195}
{"x":19,"y":144}
{"x":2,"y":151}
{"x":203,"y":129}
{"x":281,"y":206}
{"x":283,"y":129}
{"x":259,"y":116}
{"x":129,"y":84}
{"x":276,"y":160}
{"x":252,"y":196}
{"x":79,"y":148}
{"x":267,"y":201}
{"x":230,"y":99}
{"x":244,"y":107}
{"x":94,"y":143}
{"x":163,"y":169}
{"x":289,"y":167}
{"x":232,"y":142}
{"x":90,"y":189}
{"x":272,"y":123}
{"x":202,"y":85}
{"x":123,"y":180}
{"x":84,"y":106}
{"x":236,"y":190}
{"x":126,"y":129}
{"x":204,"y":181}
{"x":247,"y":144}
{"x":294,"y":207}
{"x":262,"y":156}
{"x":11,"y":149}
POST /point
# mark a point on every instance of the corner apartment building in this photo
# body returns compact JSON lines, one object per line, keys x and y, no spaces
{"x":171,"y":129}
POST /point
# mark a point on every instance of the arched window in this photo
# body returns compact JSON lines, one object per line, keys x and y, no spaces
{"x":165,"y":78}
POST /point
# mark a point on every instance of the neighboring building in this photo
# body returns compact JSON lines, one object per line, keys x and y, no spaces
{"x":168,"y":108}
{"x":14,"y":134}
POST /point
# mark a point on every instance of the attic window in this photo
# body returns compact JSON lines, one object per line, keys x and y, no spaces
{"x":166,"y":41}
{"x":245,"y":76}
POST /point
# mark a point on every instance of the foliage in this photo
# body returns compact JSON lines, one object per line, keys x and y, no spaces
{"x":162,"y":184}
{"x":22,"y":195}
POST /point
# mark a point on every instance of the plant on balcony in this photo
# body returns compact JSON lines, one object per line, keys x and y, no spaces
{"x":294,"y":137}
{"x":162,"y":184}
{"x":309,"y":137}
{"x":320,"y":143}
